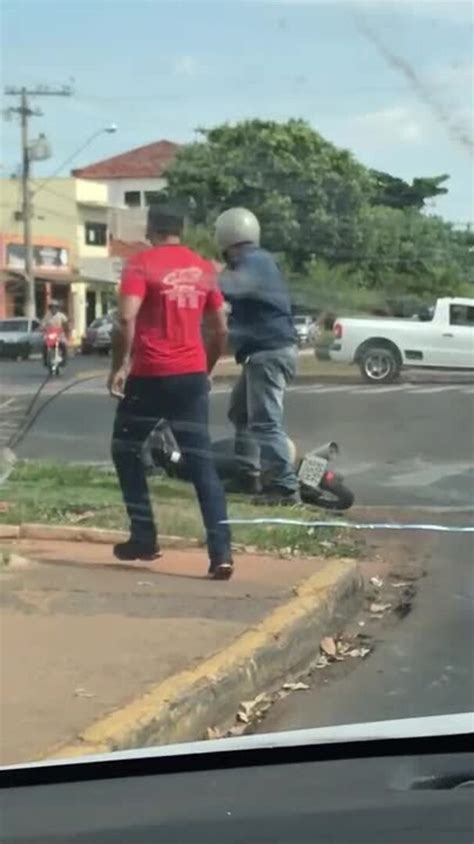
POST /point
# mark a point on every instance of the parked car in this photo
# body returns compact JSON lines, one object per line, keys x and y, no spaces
{"x":305,"y":328}
{"x":98,"y":336}
{"x":20,"y":337}
{"x":440,"y":338}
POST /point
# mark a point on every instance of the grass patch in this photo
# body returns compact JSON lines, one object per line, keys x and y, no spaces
{"x":89,"y":496}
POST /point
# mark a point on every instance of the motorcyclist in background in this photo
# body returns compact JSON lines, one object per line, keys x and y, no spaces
{"x":55,"y":318}
{"x":265,"y":344}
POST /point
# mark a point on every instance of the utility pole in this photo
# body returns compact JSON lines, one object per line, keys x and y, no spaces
{"x":25,"y":112}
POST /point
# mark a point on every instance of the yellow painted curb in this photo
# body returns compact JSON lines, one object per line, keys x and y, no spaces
{"x":180,"y":707}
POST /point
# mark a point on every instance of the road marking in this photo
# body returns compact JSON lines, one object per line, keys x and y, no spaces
{"x":318,"y":388}
{"x":7,"y":403}
{"x":424,"y":391}
{"x":377,"y":391}
{"x":426,"y":476}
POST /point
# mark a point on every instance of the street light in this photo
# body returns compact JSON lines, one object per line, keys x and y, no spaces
{"x":39,"y":151}
{"x":107,"y":130}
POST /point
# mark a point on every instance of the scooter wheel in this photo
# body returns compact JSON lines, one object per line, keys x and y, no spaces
{"x":331,"y":497}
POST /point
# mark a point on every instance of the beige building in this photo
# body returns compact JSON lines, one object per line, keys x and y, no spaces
{"x":70,"y":244}
{"x":84,"y":227}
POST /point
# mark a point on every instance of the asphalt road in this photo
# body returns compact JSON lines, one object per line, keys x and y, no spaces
{"x":402,"y":445}
{"x":408,"y":446}
{"x":421,"y":666}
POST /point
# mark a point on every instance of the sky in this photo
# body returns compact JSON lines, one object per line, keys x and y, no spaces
{"x":391,"y":81}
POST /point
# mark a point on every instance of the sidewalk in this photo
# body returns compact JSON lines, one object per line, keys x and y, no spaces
{"x":82,"y":636}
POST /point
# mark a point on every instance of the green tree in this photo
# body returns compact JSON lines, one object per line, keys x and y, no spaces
{"x":396,"y":193}
{"x":405,"y":251}
{"x":306,"y":192}
{"x":200,"y":238}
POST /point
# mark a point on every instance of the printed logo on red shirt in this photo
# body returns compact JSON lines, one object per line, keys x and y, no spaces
{"x":184,"y":287}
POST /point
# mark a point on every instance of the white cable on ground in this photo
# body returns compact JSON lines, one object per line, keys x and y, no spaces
{"x":351,"y":525}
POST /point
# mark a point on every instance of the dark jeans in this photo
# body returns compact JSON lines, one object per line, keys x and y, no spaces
{"x":256,"y":411}
{"x":184,"y":401}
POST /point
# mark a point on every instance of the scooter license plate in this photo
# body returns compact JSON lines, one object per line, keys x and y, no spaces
{"x":312,"y":470}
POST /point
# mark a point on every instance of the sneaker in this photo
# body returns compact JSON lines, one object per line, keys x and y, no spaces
{"x":221,"y":571}
{"x":133,"y":550}
{"x":278,"y":498}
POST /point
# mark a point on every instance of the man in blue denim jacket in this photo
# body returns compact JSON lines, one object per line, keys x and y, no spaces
{"x":265,"y":343}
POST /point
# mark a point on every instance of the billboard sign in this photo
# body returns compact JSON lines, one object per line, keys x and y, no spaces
{"x":55,"y":258}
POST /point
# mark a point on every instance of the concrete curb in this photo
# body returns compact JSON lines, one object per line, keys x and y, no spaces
{"x":183,"y":706}
{"x":82,"y":534}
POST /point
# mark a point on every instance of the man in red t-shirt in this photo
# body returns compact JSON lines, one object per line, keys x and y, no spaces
{"x":160,"y":369}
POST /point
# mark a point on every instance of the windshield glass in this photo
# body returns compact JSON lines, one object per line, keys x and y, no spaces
{"x":8,"y":326}
{"x":237,"y":473}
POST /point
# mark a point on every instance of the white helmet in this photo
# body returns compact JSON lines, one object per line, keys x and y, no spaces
{"x":237,"y":225}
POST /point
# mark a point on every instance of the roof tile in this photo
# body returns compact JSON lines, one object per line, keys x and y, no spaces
{"x":149,"y":161}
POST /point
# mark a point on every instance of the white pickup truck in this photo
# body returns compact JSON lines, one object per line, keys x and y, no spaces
{"x":439,"y":338}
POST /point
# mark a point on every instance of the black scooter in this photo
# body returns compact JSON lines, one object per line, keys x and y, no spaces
{"x":320,"y":486}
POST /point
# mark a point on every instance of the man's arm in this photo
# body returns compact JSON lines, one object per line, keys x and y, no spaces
{"x":216,"y":336}
{"x":123,"y":335}
{"x":246,"y":283}
{"x":131,"y":295}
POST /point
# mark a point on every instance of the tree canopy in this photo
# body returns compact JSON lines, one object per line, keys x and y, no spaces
{"x":316,"y":202}
{"x":395,"y":193}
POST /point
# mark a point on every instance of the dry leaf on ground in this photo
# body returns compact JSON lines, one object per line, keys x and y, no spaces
{"x":359,"y":652}
{"x":213,"y":733}
{"x":75,"y":518}
{"x":379,"y":609}
{"x":80,"y":692}
{"x":328,"y":646}
{"x":376,"y":581}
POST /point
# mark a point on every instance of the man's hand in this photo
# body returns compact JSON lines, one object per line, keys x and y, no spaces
{"x":116,"y":382}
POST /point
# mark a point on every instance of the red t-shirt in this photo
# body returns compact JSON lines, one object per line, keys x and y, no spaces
{"x":177,"y":287}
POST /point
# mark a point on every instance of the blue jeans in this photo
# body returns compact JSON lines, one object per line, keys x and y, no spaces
{"x":256,"y":411}
{"x":183,"y":400}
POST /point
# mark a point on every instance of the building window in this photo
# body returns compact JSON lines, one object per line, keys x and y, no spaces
{"x":152,"y":197}
{"x":96,"y":234}
{"x":132,"y":198}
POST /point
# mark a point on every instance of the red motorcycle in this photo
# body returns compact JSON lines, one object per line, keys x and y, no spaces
{"x":53,"y":355}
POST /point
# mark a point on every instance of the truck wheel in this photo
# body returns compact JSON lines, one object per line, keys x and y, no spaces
{"x":379,"y":365}
{"x":26,"y":352}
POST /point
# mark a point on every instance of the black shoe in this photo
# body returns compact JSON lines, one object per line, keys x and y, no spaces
{"x":278,"y":498}
{"x":244,"y":485}
{"x":133,"y":550}
{"x":221,"y":571}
